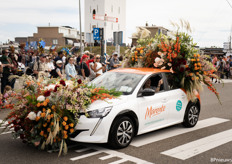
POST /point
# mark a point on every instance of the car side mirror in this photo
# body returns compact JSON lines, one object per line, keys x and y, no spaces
{"x":148,"y":92}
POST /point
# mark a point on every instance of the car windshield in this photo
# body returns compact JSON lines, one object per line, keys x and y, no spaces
{"x":123,"y":82}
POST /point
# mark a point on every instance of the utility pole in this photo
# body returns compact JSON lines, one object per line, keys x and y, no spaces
{"x":81,"y":50}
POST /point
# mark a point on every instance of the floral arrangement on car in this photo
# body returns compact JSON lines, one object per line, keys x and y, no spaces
{"x":46,"y":112}
{"x":177,"y":54}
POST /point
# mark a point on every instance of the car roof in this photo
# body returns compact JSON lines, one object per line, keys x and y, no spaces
{"x":143,"y":71}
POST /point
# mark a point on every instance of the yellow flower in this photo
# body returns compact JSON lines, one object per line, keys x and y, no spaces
{"x":197,"y":78}
{"x":49,"y":110}
{"x":141,"y":51}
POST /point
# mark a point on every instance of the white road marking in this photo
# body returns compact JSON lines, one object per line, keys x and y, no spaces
{"x":227,"y":80}
{"x":86,"y":155}
{"x":107,"y":157}
{"x":167,"y":133}
{"x":111,"y":153}
{"x":82,"y":150}
{"x":6,"y":132}
{"x":194,"y":148}
{"x":120,"y":161}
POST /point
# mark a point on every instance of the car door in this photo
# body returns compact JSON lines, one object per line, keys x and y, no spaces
{"x":153,"y":111}
{"x":177,"y":101}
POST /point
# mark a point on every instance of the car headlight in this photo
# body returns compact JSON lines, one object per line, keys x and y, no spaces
{"x":98,"y":113}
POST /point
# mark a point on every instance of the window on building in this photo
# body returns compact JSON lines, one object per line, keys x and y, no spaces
{"x":55,"y":41}
{"x":118,"y":10}
{"x":112,"y":8}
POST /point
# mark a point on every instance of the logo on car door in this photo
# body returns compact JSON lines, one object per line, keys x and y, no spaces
{"x":151,"y":112}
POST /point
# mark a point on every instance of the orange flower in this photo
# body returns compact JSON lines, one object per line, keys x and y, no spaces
{"x":71,"y":130}
{"x":44,"y":125}
{"x":53,"y":107}
{"x":38,"y":105}
{"x":193,"y":78}
{"x":48,"y":130}
{"x":54,"y":140}
{"x":191,"y":74}
{"x":197,"y":73}
{"x":42,"y":115}
{"x":65,"y":118}
{"x":198,"y":59}
{"x":136,"y":52}
{"x":47,"y":100}
{"x":141,"y":52}
{"x":52,"y":115}
{"x":52,"y":123}
{"x":64,"y":132}
{"x":41,"y":133}
{"x":186,"y":66}
{"x":65,"y":136}
{"x":44,"y":109}
{"x":49,"y":110}
{"x":71,"y":125}
{"x":197,"y":78}
{"x":49,"y":117}
{"x":45,"y":135}
{"x":66,"y":127}
{"x":45,"y":103}
{"x":195,"y":55}
{"x":37,"y":118}
{"x":63,"y":123}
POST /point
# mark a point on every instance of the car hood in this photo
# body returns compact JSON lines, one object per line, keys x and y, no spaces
{"x":108,"y":102}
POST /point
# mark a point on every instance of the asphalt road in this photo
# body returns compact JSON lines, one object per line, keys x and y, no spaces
{"x":208,"y":142}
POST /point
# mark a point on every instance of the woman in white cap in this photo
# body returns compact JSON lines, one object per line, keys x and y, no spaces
{"x":55,"y":73}
{"x":98,"y":68}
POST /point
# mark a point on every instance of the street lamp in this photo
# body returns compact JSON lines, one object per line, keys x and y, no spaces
{"x":80,"y":28}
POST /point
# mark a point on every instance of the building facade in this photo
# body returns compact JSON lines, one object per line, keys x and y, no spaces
{"x":60,"y":36}
{"x":111,"y":8}
{"x":153,"y":29}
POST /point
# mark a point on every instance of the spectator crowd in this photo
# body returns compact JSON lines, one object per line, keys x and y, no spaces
{"x":87,"y":66}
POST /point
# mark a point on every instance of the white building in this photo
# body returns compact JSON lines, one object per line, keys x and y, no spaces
{"x":112,"y":8}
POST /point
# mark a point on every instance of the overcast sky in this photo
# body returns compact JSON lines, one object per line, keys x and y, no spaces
{"x":211,"y":20}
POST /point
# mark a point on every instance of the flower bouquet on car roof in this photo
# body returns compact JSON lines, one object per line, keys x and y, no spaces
{"x":178,"y":54}
{"x":45,"y":112}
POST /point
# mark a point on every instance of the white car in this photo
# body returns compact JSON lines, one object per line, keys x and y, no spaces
{"x":143,"y":107}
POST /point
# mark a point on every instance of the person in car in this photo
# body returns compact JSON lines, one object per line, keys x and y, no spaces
{"x":148,"y":85}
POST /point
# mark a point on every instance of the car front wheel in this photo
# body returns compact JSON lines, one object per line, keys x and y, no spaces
{"x":191,"y":116}
{"x":122,"y":132}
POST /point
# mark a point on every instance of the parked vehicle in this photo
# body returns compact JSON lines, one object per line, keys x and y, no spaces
{"x":139,"y":110}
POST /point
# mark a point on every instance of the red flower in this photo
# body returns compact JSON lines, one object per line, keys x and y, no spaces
{"x":62,"y":82}
{"x":56,"y":87}
{"x":79,"y":81}
{"x":47,"y":93}
{"x":181,"y":69}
